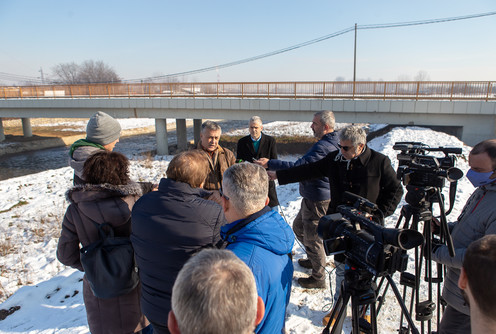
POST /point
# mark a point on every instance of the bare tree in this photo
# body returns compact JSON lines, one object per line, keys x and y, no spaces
{"x":404,"y":77}
{"x":422,"y":76}
{"x":67,"y":73}
{"x":97,"y":72}
{"x":89,"y":71}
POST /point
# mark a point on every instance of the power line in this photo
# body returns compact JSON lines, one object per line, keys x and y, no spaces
{"x":313,"y":41}
{"x":6,"y":77}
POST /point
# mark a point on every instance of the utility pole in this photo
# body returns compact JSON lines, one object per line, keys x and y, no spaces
{"x":42,"y":77}
{"x":354,"y":61}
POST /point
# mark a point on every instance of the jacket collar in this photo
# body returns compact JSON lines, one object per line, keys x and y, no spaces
{"x":237,"y":225}
{"x":364,"y":157}
{"x":171,"y":186}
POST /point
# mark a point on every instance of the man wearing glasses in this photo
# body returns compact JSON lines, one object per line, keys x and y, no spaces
{"x":355,"y":168}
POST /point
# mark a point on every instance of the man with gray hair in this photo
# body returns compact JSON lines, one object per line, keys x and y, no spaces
{"x":255,"y":146}
{"x":260,"y":238}
{"x":315,"y":201}
{"x":219,"y":158}
{"x":215,"y":293}
{"x":354,"y":168}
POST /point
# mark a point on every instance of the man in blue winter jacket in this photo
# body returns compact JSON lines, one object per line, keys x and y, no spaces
{"x":316,"y":198}
{"x":260,"y":238}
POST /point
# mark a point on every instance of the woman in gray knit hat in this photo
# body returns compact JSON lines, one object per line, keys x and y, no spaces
{"x":102,"y":133}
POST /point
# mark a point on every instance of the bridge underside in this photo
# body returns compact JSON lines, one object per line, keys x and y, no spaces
{"x":477,"y":119}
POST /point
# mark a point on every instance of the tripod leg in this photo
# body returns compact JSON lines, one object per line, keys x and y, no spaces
{"x":355,"y":315}
{"x":402,"y":305}
{"x":373,"y":318}
{"x":339,"y":309}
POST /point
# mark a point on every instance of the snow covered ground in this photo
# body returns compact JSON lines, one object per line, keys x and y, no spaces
{"x":49,"y":294}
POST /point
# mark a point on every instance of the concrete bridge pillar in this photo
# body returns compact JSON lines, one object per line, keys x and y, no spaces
{"x":2,"y":134}
{"x":182,"y":139}
{"x":161,"y":133}
{"x":197,"y":129}
{"x":477,"y":129}
{"x":26,"y":127}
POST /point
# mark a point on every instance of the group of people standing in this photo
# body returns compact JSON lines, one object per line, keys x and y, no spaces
{"x":212,"y":199}
{"x":206,"y":201}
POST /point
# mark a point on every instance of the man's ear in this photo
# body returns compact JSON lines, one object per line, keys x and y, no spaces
{"x":172,"y":323}
{"x":462,"y":280}
{"x":260,"y":310}
{"x":225,"y":203}
{"x":267,"y":200}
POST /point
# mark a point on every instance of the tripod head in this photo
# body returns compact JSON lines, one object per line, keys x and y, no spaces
{"x":420,"y":202}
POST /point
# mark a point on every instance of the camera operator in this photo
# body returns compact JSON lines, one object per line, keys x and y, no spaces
{"x":355,"y":168}
{"x":478,"y":270}
{"x":478,"y":218}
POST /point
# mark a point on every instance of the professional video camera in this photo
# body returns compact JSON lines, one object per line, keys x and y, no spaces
{"x":364,"y":242}
{"x":418,"y":169}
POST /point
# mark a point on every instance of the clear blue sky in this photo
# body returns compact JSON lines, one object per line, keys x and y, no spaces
{"x":149,"y":38}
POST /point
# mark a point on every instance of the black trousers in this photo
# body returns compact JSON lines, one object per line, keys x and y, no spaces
{"x":159,"y":328}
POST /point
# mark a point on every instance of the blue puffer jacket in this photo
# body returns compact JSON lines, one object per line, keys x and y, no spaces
{"x":317,"y":189}
{"x":264,"y":244}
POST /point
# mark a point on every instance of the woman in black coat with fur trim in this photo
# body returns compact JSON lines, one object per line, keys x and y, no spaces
{"x":107,"y":197}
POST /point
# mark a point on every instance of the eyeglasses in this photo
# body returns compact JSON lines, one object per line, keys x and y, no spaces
{"x":345,"y":148}
{"x":223,"y":195}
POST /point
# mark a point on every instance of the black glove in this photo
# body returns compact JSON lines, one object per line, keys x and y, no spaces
{"x":435,"y":226}
{"x":435,"y":244}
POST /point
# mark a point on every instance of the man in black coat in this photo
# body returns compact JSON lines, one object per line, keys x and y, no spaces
{"x":355,"y":168}
{"x":255,"y":146}
{"x":168,"y":227}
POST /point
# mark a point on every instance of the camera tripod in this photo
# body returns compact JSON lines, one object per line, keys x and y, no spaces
{"x":358,"y":285}
{"x":419,"y":209}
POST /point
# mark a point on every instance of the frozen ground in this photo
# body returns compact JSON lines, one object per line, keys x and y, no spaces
{"x":49,"y":294}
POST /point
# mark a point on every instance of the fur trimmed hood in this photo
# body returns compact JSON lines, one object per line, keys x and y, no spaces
{"x":91,"y":192}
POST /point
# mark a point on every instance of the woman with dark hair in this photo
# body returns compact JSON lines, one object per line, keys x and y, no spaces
{"x":107,"y":197}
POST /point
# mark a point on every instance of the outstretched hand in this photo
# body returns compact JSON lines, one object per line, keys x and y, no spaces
{"x":272,"y":175}
{"x":262,"y":162}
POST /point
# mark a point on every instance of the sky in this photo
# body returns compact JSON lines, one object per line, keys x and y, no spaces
{"x":148,"y":38}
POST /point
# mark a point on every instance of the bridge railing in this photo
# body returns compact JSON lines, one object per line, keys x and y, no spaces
{"x":385,"y":90}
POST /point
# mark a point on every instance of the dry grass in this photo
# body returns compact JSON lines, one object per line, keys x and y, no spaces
{"x":18,"y":204}
{"x":7,"y":247}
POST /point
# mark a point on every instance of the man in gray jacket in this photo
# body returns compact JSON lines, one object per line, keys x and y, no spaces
{"x":478,"y":218}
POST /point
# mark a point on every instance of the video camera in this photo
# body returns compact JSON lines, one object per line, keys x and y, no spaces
{"x":366,"y":243}
{"x":418,"y":169}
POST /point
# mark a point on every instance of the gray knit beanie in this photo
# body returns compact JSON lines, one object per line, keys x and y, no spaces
{"x":102,"y":129}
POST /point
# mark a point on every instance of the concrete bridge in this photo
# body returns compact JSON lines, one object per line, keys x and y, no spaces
{"x":472,"y":115}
